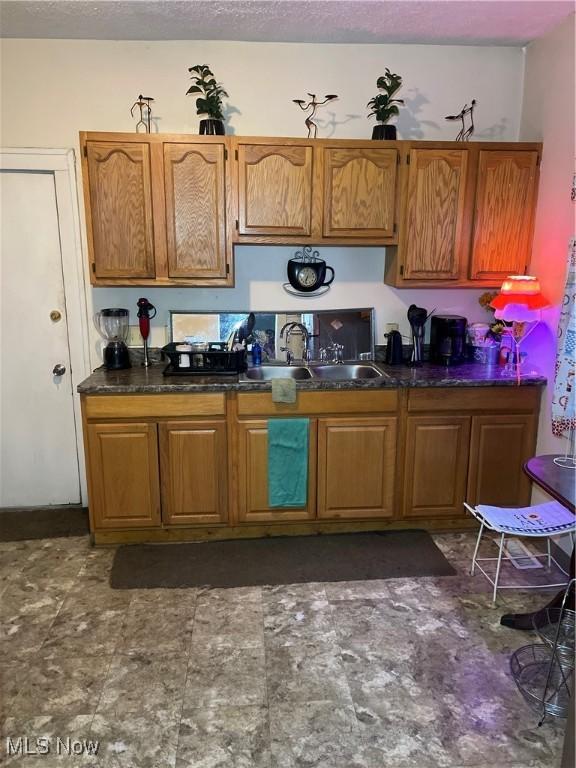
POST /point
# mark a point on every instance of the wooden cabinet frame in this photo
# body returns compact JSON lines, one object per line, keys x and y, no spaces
{"x":320,"y":192}
{"x":315,"y":227}
{"x":465,"y":276}
{"x":482,"y":426}
{"x":156,"y":143}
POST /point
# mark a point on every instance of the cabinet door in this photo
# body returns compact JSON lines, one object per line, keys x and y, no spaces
{"x":356,"y":467}
{"x":504,"y":213}
{"x":193,"y":463}
{"x":194,"y":179}
{"x":253,"y":476}
{"x":436,"y":465}
{"x":498,"y":449}
{"x":359,"y":192}
{"x":275,"y":189}
{"x":124,"y":475}
{"x":432,"y":245}
{"x":120,"y":222}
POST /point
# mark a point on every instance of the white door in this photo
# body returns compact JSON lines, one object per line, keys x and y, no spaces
{"x":38,"y":448}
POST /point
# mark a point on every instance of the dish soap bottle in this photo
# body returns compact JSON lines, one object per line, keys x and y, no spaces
{"x":256,"y":354}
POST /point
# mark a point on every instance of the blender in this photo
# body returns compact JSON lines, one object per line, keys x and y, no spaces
{"x":112,"y":325}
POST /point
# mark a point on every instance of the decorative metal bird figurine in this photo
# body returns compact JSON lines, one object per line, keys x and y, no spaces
{"x":313,"y":106}
{"x":464,"y":133}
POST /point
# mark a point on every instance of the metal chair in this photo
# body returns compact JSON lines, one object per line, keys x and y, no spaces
{"x":539,"y":521}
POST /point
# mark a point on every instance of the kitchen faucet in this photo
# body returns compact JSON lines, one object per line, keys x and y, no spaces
{"x":289,"y":328}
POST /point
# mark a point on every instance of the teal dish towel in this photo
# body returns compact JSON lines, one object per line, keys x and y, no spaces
{"x":288,"y":462}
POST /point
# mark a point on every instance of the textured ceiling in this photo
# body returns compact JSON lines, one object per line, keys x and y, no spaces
{"x":456,"y":22}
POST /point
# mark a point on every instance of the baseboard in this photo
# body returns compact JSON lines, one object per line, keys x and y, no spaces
{"x":20,"y":524}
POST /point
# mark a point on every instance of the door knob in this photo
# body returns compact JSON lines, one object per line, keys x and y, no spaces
{"x":59,"y":369}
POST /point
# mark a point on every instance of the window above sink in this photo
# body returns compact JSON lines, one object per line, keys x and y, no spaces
{"x":351,"y":328}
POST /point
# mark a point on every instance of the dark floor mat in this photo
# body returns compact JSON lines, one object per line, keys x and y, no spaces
{"x":43,"y":523}
{"x":280,"y":560}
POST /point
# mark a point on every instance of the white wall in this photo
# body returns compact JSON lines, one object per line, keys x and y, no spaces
{"x":548,"y":116}
{"x":51,"y":89}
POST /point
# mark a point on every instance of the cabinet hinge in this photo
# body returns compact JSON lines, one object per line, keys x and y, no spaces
{"x":401,"y":269}
{"x":236,"y":154}
{"x":225,"y":154}
{"x":85,"y":150}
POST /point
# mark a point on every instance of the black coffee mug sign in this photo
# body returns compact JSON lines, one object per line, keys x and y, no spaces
{"x":307,"y":272}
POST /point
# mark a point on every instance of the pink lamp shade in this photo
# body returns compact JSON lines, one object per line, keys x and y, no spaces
{"x":519,"y":300}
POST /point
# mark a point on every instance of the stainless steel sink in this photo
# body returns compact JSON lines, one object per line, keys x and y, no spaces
{"x":346,"y":371}
{"x":269,"y":372}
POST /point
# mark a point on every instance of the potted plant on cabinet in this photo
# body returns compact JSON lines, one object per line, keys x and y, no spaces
{"x":383,"y":106}
{"x":210,"y":101}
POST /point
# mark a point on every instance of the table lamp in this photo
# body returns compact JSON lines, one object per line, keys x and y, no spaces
{"x":520,"y":301}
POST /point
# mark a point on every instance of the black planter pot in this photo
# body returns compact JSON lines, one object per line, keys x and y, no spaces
{"x":211,"y":127}
{"x":384,"y":132}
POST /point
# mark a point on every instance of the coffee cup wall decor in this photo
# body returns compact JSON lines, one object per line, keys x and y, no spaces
{"x":307,"y":271}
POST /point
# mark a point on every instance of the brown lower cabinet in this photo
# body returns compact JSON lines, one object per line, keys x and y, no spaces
{"x":196,"y":465}
{"x":435,"y":466}
{"x":193,"y":470}
{"x":499,"y":446}
{"x":356,"y":467}
{"x":123,"y":475}
{"x":253,"y":504}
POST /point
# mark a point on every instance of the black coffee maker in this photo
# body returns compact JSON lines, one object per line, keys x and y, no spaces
{"x":448,"y":339}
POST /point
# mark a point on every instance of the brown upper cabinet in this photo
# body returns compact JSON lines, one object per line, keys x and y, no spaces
{"x":195,"y":186}
{"x":317,"y":191}
{"x":120,"y":194}
{"x":157,"y":209}
{"x":167,"y":209}
{"x":359,"y":192}
{"x":468,"y":214}
{"x":431,"y":241}
{"x":504,"y":212}
{"x":274,"y":189}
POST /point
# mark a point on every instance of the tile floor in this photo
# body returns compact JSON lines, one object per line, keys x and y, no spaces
{"x":379,"y":674}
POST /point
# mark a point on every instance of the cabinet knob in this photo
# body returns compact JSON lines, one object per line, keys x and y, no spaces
{"x":59,"y":369}
{"x":55,"y":316}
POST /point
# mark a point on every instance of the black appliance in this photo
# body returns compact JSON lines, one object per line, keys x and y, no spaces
{"x":113,"y":326}
{"x":394,"y":354}
{"x":448,"y":339}
{"x":146,"y":312}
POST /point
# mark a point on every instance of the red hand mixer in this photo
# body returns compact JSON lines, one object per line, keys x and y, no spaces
{"x":146,"y":312}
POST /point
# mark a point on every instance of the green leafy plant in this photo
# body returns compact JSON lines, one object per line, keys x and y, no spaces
{"x":210,"y":101}
{"x":383,"y":106}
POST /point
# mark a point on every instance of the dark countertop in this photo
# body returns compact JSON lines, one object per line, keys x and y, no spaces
{"x":556,"y":480}
{"x":150,"y":380}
